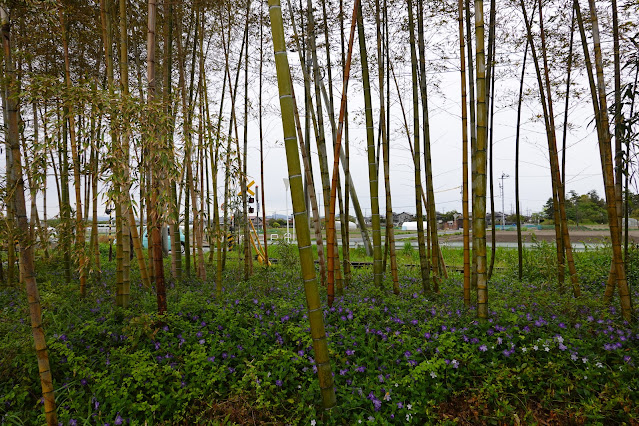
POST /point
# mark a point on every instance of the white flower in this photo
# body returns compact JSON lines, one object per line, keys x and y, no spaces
{"x":524,"y":349}
{"x":560,"y":339}
{"x":585,"y":377}
{"x":535,"y":347}
{"x":408,"y":416}
{"x":387,"y":396}
{"x":313,"y":422}
{"x":546,"y":348}
{"x":409,"y":406}
{"x":433,"y":374}
{"x":396,"y":385}
{"x":584,"y":359}
{"x":599,"y":365}
{"x":573,"y":357}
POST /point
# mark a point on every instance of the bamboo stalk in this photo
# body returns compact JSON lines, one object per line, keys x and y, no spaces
{"x":465,"y":213}
{"x":80,"y":228}
{"x":301,"y":223}
{"x":423,"y":259}
{"x":26,"y":243}
{"x":479,"y":159}
{"x":390,"y":233}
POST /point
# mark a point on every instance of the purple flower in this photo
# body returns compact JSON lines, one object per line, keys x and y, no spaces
{"x":201,"y":341}
{"x":211,"y":358}
{"x":350,"y":352}
{"x":118,"y":420}
{"x":73,"y":422}
{"x":483,"y":348}
{"x":377,"y":404}
{"x":627,"y":359}
{"x":278,"y":383}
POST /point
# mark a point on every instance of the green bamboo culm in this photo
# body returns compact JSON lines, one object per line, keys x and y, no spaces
{"x":378,"y":273}
{"x":423,"y":261}
{"x":302,"y":228}
{"x":479,"y":183}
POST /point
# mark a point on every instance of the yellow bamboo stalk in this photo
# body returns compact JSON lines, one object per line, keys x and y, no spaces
{"x":315,"y":314}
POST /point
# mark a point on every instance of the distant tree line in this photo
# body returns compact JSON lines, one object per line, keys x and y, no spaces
{"x":589,"y":208}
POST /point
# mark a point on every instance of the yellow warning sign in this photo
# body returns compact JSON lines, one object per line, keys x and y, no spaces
{"x":248,"y":189}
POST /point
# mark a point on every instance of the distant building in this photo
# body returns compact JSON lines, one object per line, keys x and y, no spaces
{"x":400,"y":218}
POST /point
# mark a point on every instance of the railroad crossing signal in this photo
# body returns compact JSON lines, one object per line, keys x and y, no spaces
{"x":248,"y":189}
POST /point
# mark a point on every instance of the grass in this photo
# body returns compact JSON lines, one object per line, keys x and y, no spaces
{"x":247,"y":357}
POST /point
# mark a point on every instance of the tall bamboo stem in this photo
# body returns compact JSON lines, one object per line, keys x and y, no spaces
{"x":316,"y":319}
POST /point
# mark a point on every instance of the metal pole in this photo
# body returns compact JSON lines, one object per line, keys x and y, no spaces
{"x":501,"y":188}
{"x":286,"y":186}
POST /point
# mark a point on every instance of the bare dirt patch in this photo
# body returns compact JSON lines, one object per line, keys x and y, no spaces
{"x":589,"y":237}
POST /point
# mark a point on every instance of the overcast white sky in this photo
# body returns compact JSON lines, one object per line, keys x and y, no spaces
{"x":583,"y":169}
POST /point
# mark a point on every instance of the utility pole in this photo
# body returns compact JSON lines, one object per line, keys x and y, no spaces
{"x":501,"y":189}
{"x":287,"y":237}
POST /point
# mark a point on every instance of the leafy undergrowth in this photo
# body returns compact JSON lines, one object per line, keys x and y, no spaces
{"x":247,"y":358}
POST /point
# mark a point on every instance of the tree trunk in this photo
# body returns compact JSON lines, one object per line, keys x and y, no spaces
{"x":479,"y":159}
{"x":26,"y":244}
{"x":372,"y":164}
{"x":432,"y":218}
{"x":158,"y":266}
{"x":473,"y":140}
{"x":520,"y":249}
{"x":123,"y":298}
{"x":465,"y":213}
{"x":80,"y":228}
{"x":248,"y":259}
{"x":330,"y":226}
{"x":259,"y":108}
{"x":423,"y":260}
{"x":301,"y":223}
{"x":546,"y":102}
{"x":390,"y":233}
{"x":598,"y":93}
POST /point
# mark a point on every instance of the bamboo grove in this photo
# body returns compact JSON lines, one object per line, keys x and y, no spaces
{"x":153,"y":111}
